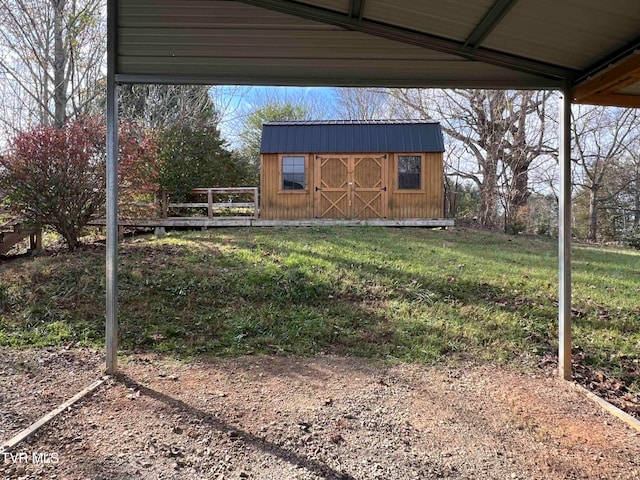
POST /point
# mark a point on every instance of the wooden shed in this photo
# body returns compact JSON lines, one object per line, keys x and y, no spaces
{"x":351,"y":170}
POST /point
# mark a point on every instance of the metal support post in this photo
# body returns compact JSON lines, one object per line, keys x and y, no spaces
{"x":564,"y":239}
{"x":111,"y":329}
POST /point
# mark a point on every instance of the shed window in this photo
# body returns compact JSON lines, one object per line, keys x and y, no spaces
{"x":409,"y":171}
{"x":293,"y":173}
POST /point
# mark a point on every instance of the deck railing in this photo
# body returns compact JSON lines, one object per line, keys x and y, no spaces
{"x":216,"y":198}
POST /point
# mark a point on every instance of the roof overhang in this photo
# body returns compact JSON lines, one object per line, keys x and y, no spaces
{"x":618,"y":85}
{"x":587,"y":45}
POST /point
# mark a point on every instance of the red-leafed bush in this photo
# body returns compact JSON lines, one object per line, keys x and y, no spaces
{"x":56,"y":177}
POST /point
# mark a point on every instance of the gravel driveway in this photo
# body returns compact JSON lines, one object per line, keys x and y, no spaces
{"x":324,"y":417}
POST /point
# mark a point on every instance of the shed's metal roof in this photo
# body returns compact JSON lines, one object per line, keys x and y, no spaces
{"x":588,"y":44}
{"x":351,"y":136}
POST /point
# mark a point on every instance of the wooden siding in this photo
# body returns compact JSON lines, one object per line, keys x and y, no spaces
{"x":424,"y":203}
{"x":365,"y":197}
{"x":276,"y":203}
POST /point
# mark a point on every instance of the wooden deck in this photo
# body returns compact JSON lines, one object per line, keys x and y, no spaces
{"x":15,"y":231}
{"x":226,"y":200}
{"x":257,"y":222}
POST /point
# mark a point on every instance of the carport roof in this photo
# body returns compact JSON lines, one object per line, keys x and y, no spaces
{"x":586,"y":47}
{"x":589,"y":45}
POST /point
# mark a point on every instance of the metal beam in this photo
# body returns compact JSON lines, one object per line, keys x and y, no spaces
{"x":412,"y":37}
{"x":564,"y":239}
{"x":490,"y":21}
{"x":111,"y":328}
{"x":539,"y":83}
{"x":356,"y":8}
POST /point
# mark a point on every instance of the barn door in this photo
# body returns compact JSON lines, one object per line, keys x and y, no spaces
{"x":332,"y":187}
{"x":350,"y":187}
{"x":368,"y":188}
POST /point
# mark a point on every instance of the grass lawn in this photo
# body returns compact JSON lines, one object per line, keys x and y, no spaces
{"x":396,"y":294}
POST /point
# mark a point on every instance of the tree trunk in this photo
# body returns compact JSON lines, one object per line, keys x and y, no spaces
{"x":59,"y":64}
{"x":593,"y":214}
{"x":488,"y":197}
{"x":517,"y":198}
{"x":450,"y":199}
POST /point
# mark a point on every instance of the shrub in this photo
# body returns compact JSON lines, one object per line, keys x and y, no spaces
{"x":56,"y":176}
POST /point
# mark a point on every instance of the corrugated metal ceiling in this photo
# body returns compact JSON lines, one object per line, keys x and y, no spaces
{"x":538,"y":29}
{"x":522,"y":43}
{"x":453,"y":19}
{"x":337,"y":5}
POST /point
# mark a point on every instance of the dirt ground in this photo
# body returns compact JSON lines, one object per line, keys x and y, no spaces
{"x":324,"y":417}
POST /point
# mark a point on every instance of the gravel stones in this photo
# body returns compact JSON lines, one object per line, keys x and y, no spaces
{"x":324,"y":418}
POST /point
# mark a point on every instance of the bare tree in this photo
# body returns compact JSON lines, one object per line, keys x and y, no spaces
{"x":366,"y":104}
{"x":228,"y":103}
{"x":160,"y":106}
{"x":52,"y":54}
{"x":602,"y":138}
{"x":502,"y":133}
{"x":631,"y":184}
{"x":526,"y":142}
{"x":619,"y":204}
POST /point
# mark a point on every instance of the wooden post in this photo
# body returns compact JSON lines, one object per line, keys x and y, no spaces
{"x":210,"y":203}
{"x":35,"y":240}
{"x":256,"y":203}
{"x":156,"y":204}
{"x":165,"y":204}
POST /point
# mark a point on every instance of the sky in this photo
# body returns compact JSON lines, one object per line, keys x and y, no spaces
{"x":236,"y":102}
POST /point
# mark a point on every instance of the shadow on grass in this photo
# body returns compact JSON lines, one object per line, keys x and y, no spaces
{"x":303,"y":292}
{"x":358,"y":308}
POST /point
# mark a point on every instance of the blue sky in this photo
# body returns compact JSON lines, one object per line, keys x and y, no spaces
{"x":235,"y":102}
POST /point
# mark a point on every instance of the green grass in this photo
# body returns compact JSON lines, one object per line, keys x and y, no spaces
{"x":396,"y":294}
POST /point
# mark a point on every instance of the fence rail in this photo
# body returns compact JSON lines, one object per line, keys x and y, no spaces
{"x":211,"y":202}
